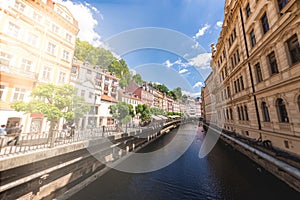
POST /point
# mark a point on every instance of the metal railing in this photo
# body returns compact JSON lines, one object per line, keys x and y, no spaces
{"x":27,"y":142}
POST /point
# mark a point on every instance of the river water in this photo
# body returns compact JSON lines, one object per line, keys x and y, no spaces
{"x":223,"y":174}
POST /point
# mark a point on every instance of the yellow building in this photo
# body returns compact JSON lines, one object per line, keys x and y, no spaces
{"x":37,"y":42}
{"x":256,"y":72}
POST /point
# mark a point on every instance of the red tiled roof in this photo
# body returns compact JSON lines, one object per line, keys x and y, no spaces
{"x":108,"y":98}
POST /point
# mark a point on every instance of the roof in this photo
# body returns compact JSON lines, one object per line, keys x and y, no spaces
{"x":105,"y":97}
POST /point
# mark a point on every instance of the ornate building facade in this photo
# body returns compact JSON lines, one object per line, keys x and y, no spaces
{"x":254,"y":88}
{"x":37,"y":46}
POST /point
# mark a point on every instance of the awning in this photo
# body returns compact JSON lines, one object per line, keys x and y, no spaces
{"x":161,"y":116}
{"x":156,"y":117}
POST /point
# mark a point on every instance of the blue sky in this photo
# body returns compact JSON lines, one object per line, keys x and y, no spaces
{"x":199,"y":20}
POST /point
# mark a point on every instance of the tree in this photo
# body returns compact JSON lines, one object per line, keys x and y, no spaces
{"x":178,"y":93}
{"x":54,"y":102}
{"x":157,"y":111}
{"x":144,"y":112}
{"x":122,"y":112}
{"x":172,"y":95}
{"x":138,"y":79}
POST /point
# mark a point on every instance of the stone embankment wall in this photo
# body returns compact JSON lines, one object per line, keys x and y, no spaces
{"x":47,"y":174}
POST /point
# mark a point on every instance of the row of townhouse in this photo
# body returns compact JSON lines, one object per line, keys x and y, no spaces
{"x":156,"y":99}
{"x":37,"y":46}
{"x":254,"y":87}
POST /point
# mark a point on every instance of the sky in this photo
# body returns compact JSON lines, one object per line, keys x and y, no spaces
{"x":166,"y":41}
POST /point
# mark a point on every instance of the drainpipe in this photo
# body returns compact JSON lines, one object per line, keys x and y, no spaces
{"x":250,"y":71}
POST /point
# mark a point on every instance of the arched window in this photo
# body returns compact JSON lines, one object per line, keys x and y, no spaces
{"x":281,"y":110}
{"x":265,"y":112}
{"x":298,"y":101}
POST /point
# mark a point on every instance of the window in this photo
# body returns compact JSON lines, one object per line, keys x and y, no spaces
{"x":89,"y":71}
{"x":19,"y":94}
{"x":62,"y":77}
{"x":273,"y":63}
{"x":242,"y":113}
{"x":74,"y":70}
{"x":235,"y":87}
{"x":265,"y":23}
{"x":20,"y":6}
{"x":32,"y":39}
{"x":2,"y":88}
{"x":90,"y":95}
{"x":238,"y":85}
{"x":265,"y":112}
{"x":242,"y":83}
{"x":228,"y":92}
{"x":5,"y":59}
{"x":258,"y":73}
{"x":281,"y":110}
{"x":37,"y":17}
{"x":55,"y":29}
{"x":248,"y":10}
{"x":246,"y":113}
{"x":298,"y":101}
{"x":13,"y":30}
{"x":68,"y":37}
{"x":282,"y":3}
{"x":66,"y":55}
{"x":239,"y":113}
{"x":26,"y":65}
{"x":252,"y":38}
{"x":238,"y":55}
{"x":46,"y":75}
{"x":82,"y":93}
{"x":294,"y":49}
{"x":286,"y":144}
{"x":51,"y":48}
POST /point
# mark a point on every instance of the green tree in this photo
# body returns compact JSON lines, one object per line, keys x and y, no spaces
{"x":178,"y":93}
{"x":122,"y":112}
{"x":144,"y":112}
{"x":53,"y":102}
{"x":138,"y":79}
{"x":157,"y":111}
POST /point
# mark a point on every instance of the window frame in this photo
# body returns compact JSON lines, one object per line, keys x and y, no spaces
{"x":273,"y":66}
{"x":265,"y":23}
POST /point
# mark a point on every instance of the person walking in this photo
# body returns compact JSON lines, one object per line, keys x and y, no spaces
{"x":17,"y":135}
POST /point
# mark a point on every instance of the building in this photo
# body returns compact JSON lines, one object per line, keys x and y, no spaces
{"x":37,"y":46}
{"x":144,"y":92}
{"x":254,"y":86}
{"x":98,"y":88}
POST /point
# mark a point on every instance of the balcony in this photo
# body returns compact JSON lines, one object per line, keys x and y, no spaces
{"x":17,"y":72}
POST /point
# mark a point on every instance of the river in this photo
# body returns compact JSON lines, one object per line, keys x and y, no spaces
{"x":223,"y":174}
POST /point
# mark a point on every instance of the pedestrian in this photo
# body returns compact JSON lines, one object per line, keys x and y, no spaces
{"x":17,"y":134}
{"x":3,"y":130}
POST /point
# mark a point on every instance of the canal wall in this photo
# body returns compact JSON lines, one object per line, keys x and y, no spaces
{"x":63,"y":170}
{"x":282,"y":170}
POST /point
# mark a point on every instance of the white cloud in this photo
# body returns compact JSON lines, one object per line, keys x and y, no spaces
{"x":219,"y":24}
{"x":201,"y":31}
{"x":183,"y":71}
{"x":202,"y":61}
{"x":191,"y":94}
{"x":84,"y":14}
{"x":198,"y":84}
{"x":168,"y":63}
